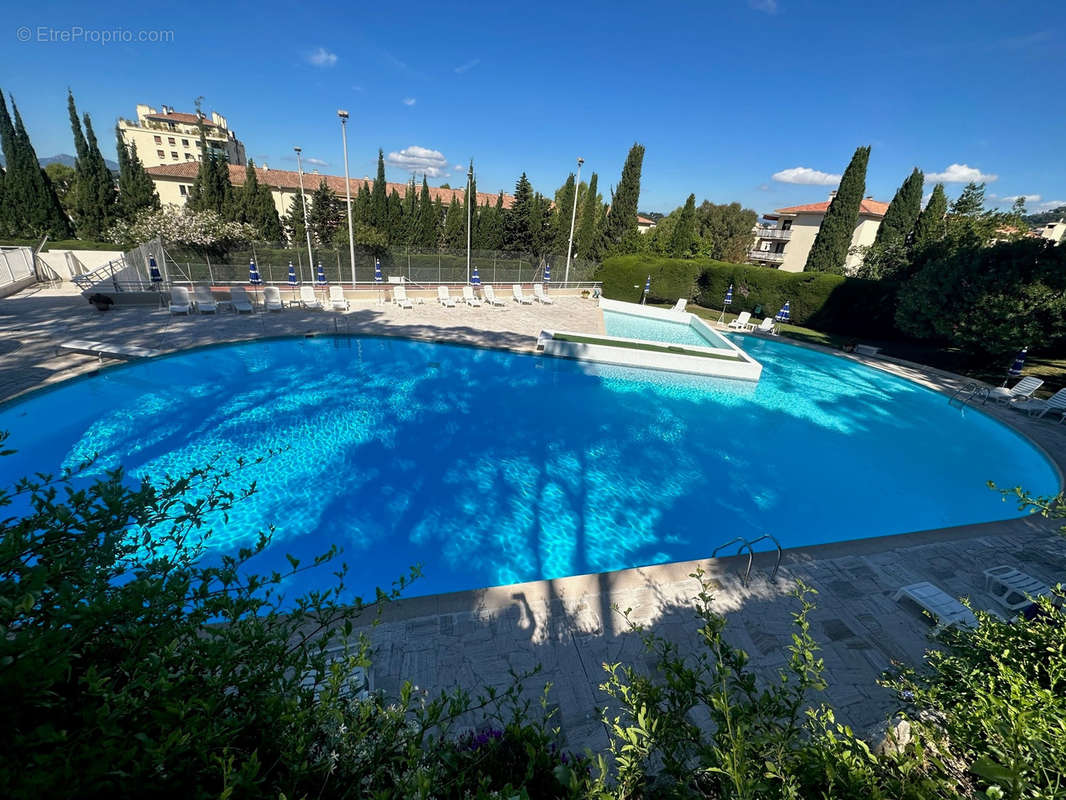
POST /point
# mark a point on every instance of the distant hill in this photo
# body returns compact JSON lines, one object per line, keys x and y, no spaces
{"x":66,"y":159}
{"x":1047,"y":216}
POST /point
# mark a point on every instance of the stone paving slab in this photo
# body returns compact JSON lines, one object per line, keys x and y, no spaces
{"x":570,"y":626}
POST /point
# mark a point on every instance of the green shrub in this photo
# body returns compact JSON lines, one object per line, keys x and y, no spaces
{"x":66,"y":244}
{"x":831,"y":303}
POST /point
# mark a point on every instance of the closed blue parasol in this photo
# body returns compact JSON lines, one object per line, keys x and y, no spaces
{"x":728,"y":296}
{"x":547,"y":273}
{"x":292,"y":276}
{"x":377,"y":271}
{"x":475,"y":278}
{"x":153,"y":270}
{"x":784,"y":313}
{"x":253,"y":273}
{"x":1019,"y":362}
{"x":320,"y":278}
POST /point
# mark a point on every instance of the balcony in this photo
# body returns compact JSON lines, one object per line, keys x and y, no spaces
{"x":777,"y":234}
{"x":766,"y":255}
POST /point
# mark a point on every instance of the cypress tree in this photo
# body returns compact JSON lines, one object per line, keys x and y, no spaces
{"x":489,"y":228}
{"x":564,"y":208}
{"x":588,"y":236}
{"x":136,"y":192}
{"x":294,"y":221}
{"x":426,"y":226}
{"x":104,"y":196}
{"x":379,"y":201}
{"x":684,"y":239}
{"x":518,"y":235}
{"x":903,"y":211}
{"x":265,"y":218}
{"x":362,"y":205}
{"x":455,"y":225}
{"x":622,"y":217}
{"x":394,"y":225}
{"x":540,"y":224}
{"x":94,"y":201}
{"x":212,"y":190}
{"x":410,"y":211}
{"x":323,"y":214}
{"x":31,"y":206}
{"x":931,"y":226}
{"x":470,"y":196}
{"x":3,"y":220}
{"x":831,"y":244}
{"x":437,"y":218}
{"x":80,"y":202}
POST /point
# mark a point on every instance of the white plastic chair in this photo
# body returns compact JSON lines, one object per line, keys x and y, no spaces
{"x":272,"y":299}
{"x":308,"y":298}
{"x":179,"y":300}
{"x":943,"y":607}
{"x":1022,"y":390}
{"x":470,"y":298}
{"x":516,"y":291}
{"x":337,"y":300}
{"x":399,"y":296}
{"x":205,"y":301}
{"x":741,"y":323}
{"x":538,"y":293}
{"x":490,"y":295}
{"x":239,"y":300}
{"x":444,"y":297}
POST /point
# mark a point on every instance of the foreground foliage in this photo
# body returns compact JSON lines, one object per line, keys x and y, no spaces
{"x":130,"y":662}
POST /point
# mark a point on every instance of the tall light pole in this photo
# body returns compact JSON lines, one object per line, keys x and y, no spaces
{"x":348,"y":189}
{"x":573,"y":217}
{"x":470,"y":200}
{"x":303,"y":199}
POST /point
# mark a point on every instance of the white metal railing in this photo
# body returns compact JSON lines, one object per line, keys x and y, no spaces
{"x":16,"y":263}
{"x":779,"y":234}
{"x":766,"y":255}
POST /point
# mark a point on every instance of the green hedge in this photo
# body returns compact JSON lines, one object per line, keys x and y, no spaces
{"x":831,"y":303}
{"x":68,"y":244}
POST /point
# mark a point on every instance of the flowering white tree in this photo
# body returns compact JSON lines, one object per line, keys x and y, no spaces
{"x":199,"y":229}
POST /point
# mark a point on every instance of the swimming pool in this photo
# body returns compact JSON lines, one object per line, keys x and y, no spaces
{"x":631,"y":326}
{"x":491,"y":467}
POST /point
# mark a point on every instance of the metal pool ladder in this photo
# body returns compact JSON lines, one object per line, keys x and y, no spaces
{"x":971,"y":391}
{"x":747,"y":544}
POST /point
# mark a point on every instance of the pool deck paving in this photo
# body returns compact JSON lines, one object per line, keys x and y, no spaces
{"x":569,"y":626}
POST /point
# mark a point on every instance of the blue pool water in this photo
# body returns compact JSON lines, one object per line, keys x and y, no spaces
{"x":631,"y":326}
{"x":490,"y":467}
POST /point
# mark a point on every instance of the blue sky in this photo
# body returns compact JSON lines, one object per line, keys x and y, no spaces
{"x":756,"y":101}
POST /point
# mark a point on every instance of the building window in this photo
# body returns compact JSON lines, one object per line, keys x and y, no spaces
{"x":182,"y":189}
{"x":173,"y":155}
{"x":184,"y":142}
{"x":160,"y":153}
{"x":188,"y":157}
{"x":786,"y":225}
{"x":159,"y":140}
{"x":170,"y":141}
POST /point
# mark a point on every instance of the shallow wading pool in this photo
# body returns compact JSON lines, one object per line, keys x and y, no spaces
{"x":489,"y":467}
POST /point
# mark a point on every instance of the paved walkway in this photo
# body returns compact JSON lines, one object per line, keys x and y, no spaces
{"x":568,"y":626}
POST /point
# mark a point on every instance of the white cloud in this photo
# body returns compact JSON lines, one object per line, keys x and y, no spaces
{"x":764,"y":187}
{"x":321,"y":57}
{"x":767,"y":6}
{"x":960,"y":173}
{"x":806,"y":175}
{"x":468,"y":65}
{"x":1010,"y":198}
{"x":1049,"y":205}
{"x":419,"y":159}
{"x":318,"y":162}
{"x":409,"y":101}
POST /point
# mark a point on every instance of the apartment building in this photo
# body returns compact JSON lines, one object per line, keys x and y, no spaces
{"x":173,"y":137}
{"x":785,"y":240}
{"x":173,"y":183}
{"x":1055,"y":231}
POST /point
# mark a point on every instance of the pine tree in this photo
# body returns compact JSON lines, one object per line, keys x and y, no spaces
{"x":30,"y":205}
{"x":540,"y":225}
{"x":683,"y":241}
{"x":379,"y":201}
{"x":588,"y":236}
{"x":294,"y":222}
{"x":136,"y":192}
{"x":212,"y":190}
{"x":971,"y":202}
{"x":903,"y":211}
{"x":489,"y":230}
{"x":265,"y":217}
{"x":426,"y":225}
{"x":564,"y":209}
{"x":930,"y":226}
{"x":622,"y":217}
{"x":830,"y":249}
{"x":362,"y":206}
{"x":518,"y":235}
{"x":323,"y":214}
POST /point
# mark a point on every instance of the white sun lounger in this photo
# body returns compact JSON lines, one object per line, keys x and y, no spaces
{"x":272,"y":299}
{"x":444,"y":297}
{"x":679,"y":306}
{"x":308,"y":298}
{"x":516,"y":291}
{"x":538,"y":294}
{"x":1022,"y":390}
{"x":944,"y":608}
{"x":741,"y":322}
{"x":1012,"y":589}
{"x":470,"y":298}
{"x":1038,"y":408}
{"x":766,"y":326}
{"x":399,"y":296}
{"x":179,"y":301}
{"x":337,"y":300}
{"x":490,"y":296}
{"x":205,"y":301}
{"x":239,"y":300}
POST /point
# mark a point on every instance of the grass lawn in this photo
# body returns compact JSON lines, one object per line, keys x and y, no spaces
{"x":1051,"y":370}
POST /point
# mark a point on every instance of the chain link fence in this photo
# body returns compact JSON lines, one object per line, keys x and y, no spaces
{"x":415,"y":265}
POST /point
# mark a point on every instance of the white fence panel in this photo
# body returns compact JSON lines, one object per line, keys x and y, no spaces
{"x":16,"y":263}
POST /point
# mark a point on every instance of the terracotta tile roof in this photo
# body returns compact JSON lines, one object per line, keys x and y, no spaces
{"x":186,"y":119}
{"x":868,"y":207}
{"x":290,"y":180}
{"x":644,"y":220}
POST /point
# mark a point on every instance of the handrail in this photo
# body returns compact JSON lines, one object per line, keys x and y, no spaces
{"x":749,"y":545}
{"x":970,"y":392}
